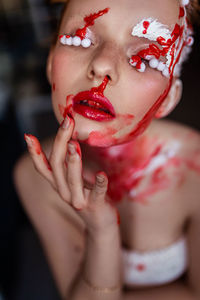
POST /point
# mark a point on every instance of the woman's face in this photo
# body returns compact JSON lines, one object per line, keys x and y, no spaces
{"x":132,"y":94}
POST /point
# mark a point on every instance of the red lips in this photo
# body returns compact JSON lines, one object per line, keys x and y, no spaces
{"x":94,"y":106}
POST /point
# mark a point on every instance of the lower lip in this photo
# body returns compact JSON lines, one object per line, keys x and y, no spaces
{"x":92,"y":113}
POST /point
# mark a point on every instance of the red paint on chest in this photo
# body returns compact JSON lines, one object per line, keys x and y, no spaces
{"x":146,"y":26}
{"x":89,"y":21}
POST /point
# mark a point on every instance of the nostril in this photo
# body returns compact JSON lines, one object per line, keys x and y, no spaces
{"x":108,"y":76}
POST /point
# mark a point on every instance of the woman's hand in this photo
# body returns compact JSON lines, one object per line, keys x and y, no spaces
{"x":64,"y":172}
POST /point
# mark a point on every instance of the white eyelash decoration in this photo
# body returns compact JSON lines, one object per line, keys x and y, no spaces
{"x":152,"y":31}
{"x":173,"y":45}
{"x":75,"y":41}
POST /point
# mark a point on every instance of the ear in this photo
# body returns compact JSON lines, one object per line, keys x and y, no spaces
{"x":172,"y":99}
{"x":49,"y":65}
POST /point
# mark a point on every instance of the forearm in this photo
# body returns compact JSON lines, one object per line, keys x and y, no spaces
{"x":177,"y":290}
{"x":100,"y":276}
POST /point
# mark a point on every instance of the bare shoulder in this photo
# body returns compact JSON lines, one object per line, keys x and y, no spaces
{"x":186,"y":143}
{"x":59,"y":228}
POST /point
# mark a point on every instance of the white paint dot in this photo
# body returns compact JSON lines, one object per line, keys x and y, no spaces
{"x":165,"y":72}
{"x":63,"y":40}
{"x":149,"y":57}
{"x":185,"y":2}
{"x":86,"y":43}
{"x":76,"y":41}
{"x":161,"y":66}
{"x":153,"y":63}
{"x":132,"y":63}
{"x":142,"y":68}
{"x":69,"y":41}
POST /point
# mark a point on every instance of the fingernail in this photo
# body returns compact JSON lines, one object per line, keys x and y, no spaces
{"x":65,"y":124}
{"x":28,"y":140}
{"x":71,"y":149}
{"x":100,"y":178}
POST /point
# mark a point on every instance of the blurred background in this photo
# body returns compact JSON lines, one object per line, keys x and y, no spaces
{"x":26,"y":28}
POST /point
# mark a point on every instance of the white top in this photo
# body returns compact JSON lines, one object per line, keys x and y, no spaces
{"x":156,"y":267}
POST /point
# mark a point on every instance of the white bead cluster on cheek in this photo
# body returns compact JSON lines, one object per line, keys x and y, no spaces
{"x":75,"y":41}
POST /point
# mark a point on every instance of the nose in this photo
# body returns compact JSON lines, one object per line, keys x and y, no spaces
{"x":104,"y":63}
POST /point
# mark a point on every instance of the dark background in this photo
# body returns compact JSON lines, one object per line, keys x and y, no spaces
{"x":25,"y":34}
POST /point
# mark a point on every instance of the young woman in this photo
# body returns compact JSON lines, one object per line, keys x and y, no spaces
{"x":120,"y":218}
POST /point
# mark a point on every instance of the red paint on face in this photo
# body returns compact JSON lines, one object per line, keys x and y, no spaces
{"x":146,"y":26}
{"x":54,"y":87}
{"x":181,"y":13}
{"x":89,"y":21}
{"x":68,"y":109}
{"x":102,"y":139}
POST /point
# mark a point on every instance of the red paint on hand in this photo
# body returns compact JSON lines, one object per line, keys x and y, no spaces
{"x":141,"y":267}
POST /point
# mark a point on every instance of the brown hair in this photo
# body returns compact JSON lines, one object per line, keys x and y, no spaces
{"x":193,"y":10}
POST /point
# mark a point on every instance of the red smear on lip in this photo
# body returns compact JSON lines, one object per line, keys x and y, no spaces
{"x":146,"y":26}
{"x":37,"y":147}
{"x":89,"y":21}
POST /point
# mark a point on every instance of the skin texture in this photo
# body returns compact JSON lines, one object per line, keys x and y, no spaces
{"x":158,"y":206}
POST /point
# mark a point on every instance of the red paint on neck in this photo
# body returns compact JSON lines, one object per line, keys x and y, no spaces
{"x":89,"y":21}
{"x":146,"y":26}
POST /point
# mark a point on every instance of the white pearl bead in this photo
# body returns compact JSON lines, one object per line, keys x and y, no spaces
{"x":63,"y":40}
{"x":69,"y":41}
{"x":161,"y":66}
{"x":153,"y":63}
{"x":149,"y":57}
{"x":142,"y":68}
{"x":76,"y":41}
{"x":165,"y":72}
{"x":86,"y":43}
{"x":185,"y":2}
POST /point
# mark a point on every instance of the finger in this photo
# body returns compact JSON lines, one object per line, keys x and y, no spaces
{"x":100,"y":188}
{"x":39,"y":158}
{"x":58,"y":157}
{"x":74,"y":175}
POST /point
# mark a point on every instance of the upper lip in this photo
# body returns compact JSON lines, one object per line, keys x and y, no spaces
{"x":97,"y":98}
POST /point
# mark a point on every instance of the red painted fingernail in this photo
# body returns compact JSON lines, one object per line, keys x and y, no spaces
{"x":65,"y":124}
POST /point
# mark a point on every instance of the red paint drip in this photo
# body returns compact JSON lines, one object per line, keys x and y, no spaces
{"x":68,"y":110}
{"x":181,"y":13}
{"x":89,"y":21}
{"x":146,"y":26}
{"x":54,"y":87}
{"x":100,"y":89}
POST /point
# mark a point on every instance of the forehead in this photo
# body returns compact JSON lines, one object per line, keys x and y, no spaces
{"x":126,"y":12}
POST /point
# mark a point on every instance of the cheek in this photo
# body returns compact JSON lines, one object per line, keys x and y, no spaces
{"x":61,"y":81}
{"x":145,"y":90}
